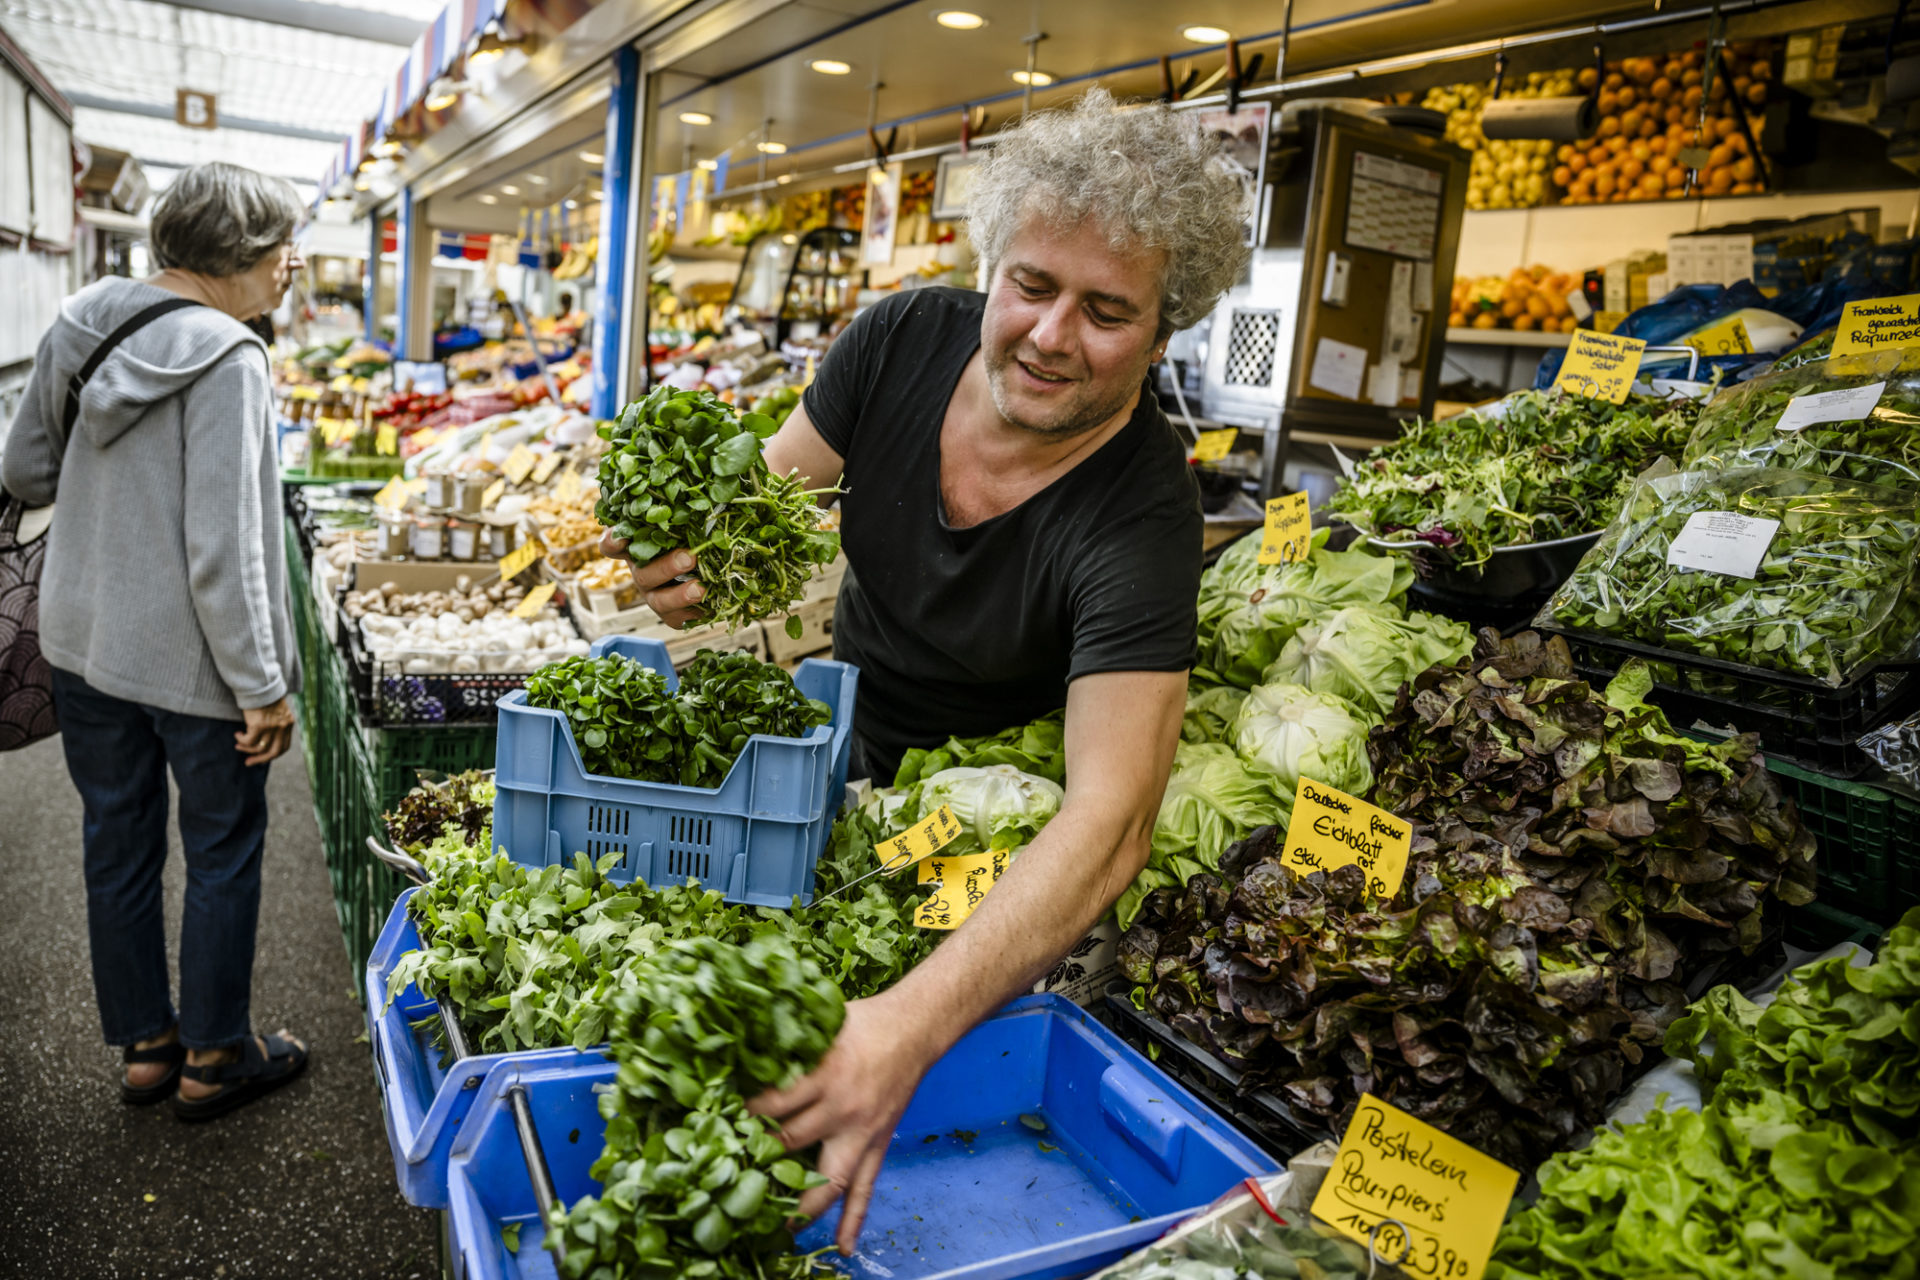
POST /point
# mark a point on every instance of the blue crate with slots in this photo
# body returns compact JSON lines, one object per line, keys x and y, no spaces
{"x":1040,"y":1146}
{"x":755,"y":838}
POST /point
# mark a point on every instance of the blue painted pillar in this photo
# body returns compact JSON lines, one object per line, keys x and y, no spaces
{"x":370,"y":281}
{"x":617,"y":236}
{"x":406,"y":231}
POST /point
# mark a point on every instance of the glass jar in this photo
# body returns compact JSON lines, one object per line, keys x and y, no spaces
{"x":502,"y":536}
{"x":439,"y":488}
{"x":471,"y":491}
{"x":464,"y":539}
{"x":429,"y":537}
{"x":396,"y":534}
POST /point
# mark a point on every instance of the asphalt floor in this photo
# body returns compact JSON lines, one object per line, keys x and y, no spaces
{"x":299,"y":1184}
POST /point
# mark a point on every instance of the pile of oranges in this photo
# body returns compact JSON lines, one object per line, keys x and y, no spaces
{"x":1530,"y":298}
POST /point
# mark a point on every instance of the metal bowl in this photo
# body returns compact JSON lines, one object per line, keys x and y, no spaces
{"x":1526,"y":573}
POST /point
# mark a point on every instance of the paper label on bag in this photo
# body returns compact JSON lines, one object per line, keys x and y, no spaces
{"x":921,"y":840}
{"x":1447,"y":1198}
{"x":1331,"y":829}
{"x":517,"y":560}
{"x":1722,"y":542}
{"x":536,"y":600}
{"x":1288,"y":532}
{"x":393,"y":495}
{"x":1878,"y":324}
{"x":519,"y":463}
{"x":1849,"y":404}
{"x":1600,"y":366}
{"x":1211,"y":446}
{"x":961,"y":882}
{"x":549,"y":463}
{"x":491,"y":494}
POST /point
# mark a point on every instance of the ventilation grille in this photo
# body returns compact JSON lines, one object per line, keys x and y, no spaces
{"x":1250,"y":347}
{"x":612,"y":829}
{"x":690,"y":848}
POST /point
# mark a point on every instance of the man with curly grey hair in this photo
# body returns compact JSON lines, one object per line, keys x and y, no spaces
{"x":1022,"y":535}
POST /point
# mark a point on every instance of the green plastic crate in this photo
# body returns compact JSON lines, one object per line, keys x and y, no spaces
{"x":1868,"y":842}
{"x":1818,"y":926}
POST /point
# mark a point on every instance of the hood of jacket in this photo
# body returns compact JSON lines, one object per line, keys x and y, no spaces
{"x":163,"y":358}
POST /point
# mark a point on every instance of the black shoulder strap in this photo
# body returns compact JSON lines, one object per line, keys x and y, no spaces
{"x":78,"y":382}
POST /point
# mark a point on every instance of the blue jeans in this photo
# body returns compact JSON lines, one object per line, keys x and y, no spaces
{"x":118,"y":753}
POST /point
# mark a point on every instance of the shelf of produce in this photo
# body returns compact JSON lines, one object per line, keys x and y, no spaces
{"x":1507,"y":338}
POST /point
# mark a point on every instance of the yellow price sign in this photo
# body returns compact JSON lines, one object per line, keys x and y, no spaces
{"x":536,"y":600}
{"x":393,"y":495}
{"x":1441,"y":1200}
{"x":961,"y":882}
{"x":519,"y":463}
{"x":921,"y":840}
{"x":304,"y":393}
{"x":1211,"y":446}
{"x":1331,"y":829}
{"x":515,"y":562}
{"x":549,"y":463}
{"x":387,"y":439}
{"x":1288,"y":531}
{"x":1600,"y":366}
{"x":1727,"y":338}
{"x":341,"y":383}
{"x":569,"y":486}
{"x":1879,"y":324}
{"x":491,"y":494}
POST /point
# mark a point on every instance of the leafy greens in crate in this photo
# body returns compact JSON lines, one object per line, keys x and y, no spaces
{"x":1741,"y":427}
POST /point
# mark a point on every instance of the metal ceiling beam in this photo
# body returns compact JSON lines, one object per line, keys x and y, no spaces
{"x":241,"y":124}
{"x":332,"y":19}
{"x":148,"y":162}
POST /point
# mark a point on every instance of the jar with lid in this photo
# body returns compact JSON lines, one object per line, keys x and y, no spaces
{"x":429,"y":537}
{"x":464,"y":539}
{"x":396,"y":534}
{"x":439,"y":488}
{"x":471,"y":492}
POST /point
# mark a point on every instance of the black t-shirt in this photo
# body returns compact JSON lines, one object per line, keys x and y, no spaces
{"x":971,"y":631}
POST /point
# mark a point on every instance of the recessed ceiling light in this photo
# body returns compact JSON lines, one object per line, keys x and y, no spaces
{"x":510,"y":190}
{"x":959,"y":20}
{"x":830,"y":66}
{"x":789,"y":238}
{"x":489,"y":199}
{"x":708,"y":164}
{"x":774,"y":148}
{"x":363,"y":186}
{"x":784,"y":179}
{"x":1206,"y":35}
{"x":1034,"y":78}
{"x":536,"y":180}
{"x":695,"y":117}
{"x":571,"y":204}
{"x":592,"y":157}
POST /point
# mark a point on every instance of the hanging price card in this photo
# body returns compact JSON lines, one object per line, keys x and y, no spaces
{"x":1211,"y":446}
{"x":304,"y":393}
{"x":1879,"y":324}
{"x":341,"y":383}
{"x":549,"y":462}
{"x":392,"y":495}
{"x":962,"y":882}
{"x":1727,"y":338}
{"x":386,"y":440}
{"x":517,"y":560}
{"x":922,"y":840}
{"x":1600,"y":366}
{"x":1441,"y":1200}
{"x":536,"y":600}
{"x":519,"y":463}
{"x":491,"y":494}
{"x":568,"y":487}
{"x":931,"y":869}
{"x":1289,"y":528}
{"x":1330,"y":829}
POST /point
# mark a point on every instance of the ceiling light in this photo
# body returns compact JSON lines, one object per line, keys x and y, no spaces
{"x":491,"y":46}
{"x":366,"y":163}
{"x":1034,"y":78}
{"x":695,"y":117}
{"x":784,"y":178}
{"x":489,"y":199}
{"x":960,"y":20}
{"x":593,"y":157}
{"x":789,"y":238}
{"x":830,"y":66}
{"x":1206,"y":35}
{"x":536,"y":180}
{"x":509,"y":190}
{"x":709,"y":164}
{"x":388,"y":149}
{"x":571,"y":204}
{"x":774,"y":148}
{"x":445,"y":92}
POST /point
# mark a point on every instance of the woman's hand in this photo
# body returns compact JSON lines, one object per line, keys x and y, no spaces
{"x":268,"y":734}
{"x":675,"y":602}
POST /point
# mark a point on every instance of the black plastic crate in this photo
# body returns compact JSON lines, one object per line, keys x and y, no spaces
{"x":387,"y":696}
{"x":1805,"y":721}
{"x":1867,"y":838}
{"x":1818,"y":926}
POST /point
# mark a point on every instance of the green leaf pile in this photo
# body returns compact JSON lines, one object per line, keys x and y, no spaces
{"x":686,"y":471}
{"x":1740,"y":427}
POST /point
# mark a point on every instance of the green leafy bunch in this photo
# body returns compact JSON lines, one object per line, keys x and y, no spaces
{"x":685,"y":471}
{"x":1833,"y":594}
{"x":1538,"y":466}
{"x":1740,"y":427}
{"x":693,"y":1184}
{"x":1039,"y":748}
{"x":627,"y":723}
{"x":464,"y":801}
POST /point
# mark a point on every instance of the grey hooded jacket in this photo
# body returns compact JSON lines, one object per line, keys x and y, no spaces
{"x":165,"y":580}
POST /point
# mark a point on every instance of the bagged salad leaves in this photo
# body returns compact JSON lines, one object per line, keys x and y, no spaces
{"x":1833,"y":594}
{"x":1870,"y":432}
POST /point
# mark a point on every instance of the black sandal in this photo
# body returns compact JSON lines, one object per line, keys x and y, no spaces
{"x":173,"y":1054}
{"x":253,"y":1076}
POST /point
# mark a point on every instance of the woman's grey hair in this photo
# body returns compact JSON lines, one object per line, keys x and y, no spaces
{"x":220,"y":220}
{"x":1149,"y":177}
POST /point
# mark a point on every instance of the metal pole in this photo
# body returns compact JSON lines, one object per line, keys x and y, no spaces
{"x":370,"y":281}
{"x":618,"y":243}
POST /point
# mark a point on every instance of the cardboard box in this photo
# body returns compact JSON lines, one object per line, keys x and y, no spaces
{"x":816,"y":631}
{"x":423,"y":575}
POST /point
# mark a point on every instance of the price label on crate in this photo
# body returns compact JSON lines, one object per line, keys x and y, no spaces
{"x":536,"y":600}
{"x":519,"y":463}
{"x":1727,"y":338}
{"x":341,"y":383}
{"x":1878,"y":324}
{"x":1440,"y":1200}
{"x":1331,"y":829}
{"x":1288,"y":531}
{"x":516,"y":561}
{"x":962,"y":882}
{"x":1211,"y":446}
{"x":1600,"y":366}
{"x":549,"y":463}
{"x":921,"y":840}
{"x":491,"y":494}
{"x":387,"y":439}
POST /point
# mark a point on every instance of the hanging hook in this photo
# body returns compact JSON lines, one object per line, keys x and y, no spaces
{"x":1167,"y":93}
{"x":880,"y":150}
{"x":1499,"y":71}
{"x":1033,"y":56}
{"x":1233,"y":76}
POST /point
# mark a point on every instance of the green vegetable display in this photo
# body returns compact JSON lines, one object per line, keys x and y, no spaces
{"x":1739,"y":428}
{"x":1292,"y":732}
{"x":1039,"y":748}
{"x":1834,"y":592}
{"x":778,"y":404}
{"x":1537,"y":467}
{"x":628,"y":725}
{"x":998,"y":806}
{"x":1256,"y":1250}
{"x":1364,"y":655}
{"x":1816,"y":348}
{"x":686,"y":472}
{"x":1213,"y":798}
{"x":1211,"y":711}
{"x":465,"y":802}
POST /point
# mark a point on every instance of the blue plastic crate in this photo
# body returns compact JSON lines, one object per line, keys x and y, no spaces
{"x":755,"y":837}
{"x":968,"y":1190}
{"x":424,"y":1102}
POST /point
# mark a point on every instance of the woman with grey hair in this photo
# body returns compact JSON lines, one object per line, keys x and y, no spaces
{"x":164,"y":613}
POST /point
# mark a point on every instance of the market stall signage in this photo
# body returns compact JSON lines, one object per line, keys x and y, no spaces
{"x":921,"y":840}
{"x":548,"y":464}
{"x":196,"y":109}
{"x":960,"y":883}
{"x":569,"y":486}
{"x":536,"y":600}
{"x":1727,"y":338}
{"x":1441,"y":1200}
{"x":1600,"y":366}
{"x":1211,"y":446}
{"x":516,"y":561}
{"x":491,"y":494}
{"x":1878,"y":324}
{"x":1722,"y":542}
{"x":1848,"y":404}
{"x":1331,"y":829}
{"x":519,"y":463}
{"x":1288,"y":530}
{"x":387,"y":439}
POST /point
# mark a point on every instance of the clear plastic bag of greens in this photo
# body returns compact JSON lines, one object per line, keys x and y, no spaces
{"x":1831,"y":586}
{"x":1856,"y":417}
{"x":1244,"y":1237}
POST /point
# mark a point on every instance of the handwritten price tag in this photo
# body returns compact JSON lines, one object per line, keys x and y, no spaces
{"x":1879,"y":324}
{"x":516,"y":561}
{"x":519,"y":463}
{"x":491,"y":494}
{"x":922,"y":840}
{"x":963,"y":881}
{"x":1728,"y":338}
{"x":393,"y":495}
{"x":1330,"y":829}
{"x":304,"y":393}
{"x":1211,"y":446}
{"x":1288,"y":530}
{"x":569,"y":486}
{"x":386,"y":440}
{"x":1600,"y":366}
{"x":1448,"y":1197}
{"x":536,"y":600}
{"x":549,"y":463}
